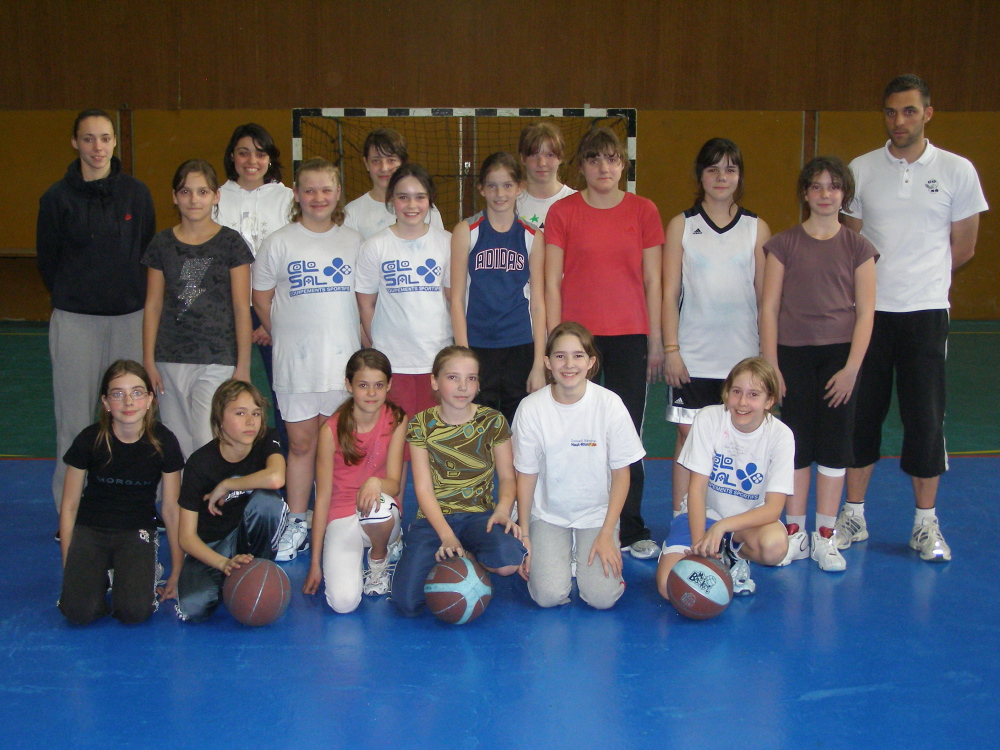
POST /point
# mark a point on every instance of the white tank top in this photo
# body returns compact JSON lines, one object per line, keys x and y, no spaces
{"x":718,"y":313}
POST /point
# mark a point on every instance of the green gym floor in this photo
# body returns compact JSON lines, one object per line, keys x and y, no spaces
{"x":27,"y":426}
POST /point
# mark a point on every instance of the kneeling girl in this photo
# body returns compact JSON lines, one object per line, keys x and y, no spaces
{"x":463,"y":474}
{"x":231,"y":511}
{"x":359,"y":460}
{"x":573,"y":444}
{"x":740,"y":458}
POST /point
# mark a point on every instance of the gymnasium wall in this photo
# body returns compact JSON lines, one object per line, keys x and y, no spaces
{"x":782,"y":78}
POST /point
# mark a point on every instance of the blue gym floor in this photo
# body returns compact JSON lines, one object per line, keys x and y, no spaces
{"x":894,"y":653}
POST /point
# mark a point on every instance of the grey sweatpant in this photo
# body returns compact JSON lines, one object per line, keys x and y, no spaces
{"x":551,"y":575}
{"x":81,"y":348}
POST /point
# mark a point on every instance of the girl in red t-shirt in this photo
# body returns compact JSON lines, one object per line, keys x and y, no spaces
{"x":603,"y":261}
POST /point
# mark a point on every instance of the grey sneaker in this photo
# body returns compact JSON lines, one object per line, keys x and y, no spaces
{"x":294,"y":539}
{"x":395,"y":549}
{"x":929,"y":542}
{"x":644,"y":549}
{"x":850,"y":528}
{"x":739,"y":569}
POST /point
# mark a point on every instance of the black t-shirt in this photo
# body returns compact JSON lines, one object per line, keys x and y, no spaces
{"x":121,"y":493}
{"x":206,"y":468}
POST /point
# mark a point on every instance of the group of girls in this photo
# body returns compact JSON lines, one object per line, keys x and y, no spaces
{"x":686,"y":312}
{"x":810,"y":293}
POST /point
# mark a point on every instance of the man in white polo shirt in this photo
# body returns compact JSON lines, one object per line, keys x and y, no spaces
{"x":920,"y":206}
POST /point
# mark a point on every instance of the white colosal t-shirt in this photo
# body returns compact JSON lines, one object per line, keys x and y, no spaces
{"x":742,"y":467}
{"x":314,"y":313}
{"x":369,"y":217}
{"x":534,"y":210}
{"x":573,"y":448}
{"x":907,"y":211}
{"x":411,"y":323}
{"x":718,"y":316}
{"x":255,"y":214}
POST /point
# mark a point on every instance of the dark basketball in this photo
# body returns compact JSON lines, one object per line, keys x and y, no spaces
{"x":257,"y":593}
{"x":458,"y":590}
{"x":699,"y":587}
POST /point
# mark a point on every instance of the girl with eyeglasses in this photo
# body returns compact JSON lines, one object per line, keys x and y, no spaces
{"x":108,"y":519}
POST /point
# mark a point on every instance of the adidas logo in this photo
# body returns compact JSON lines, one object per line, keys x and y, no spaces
{"x":696,"y":231}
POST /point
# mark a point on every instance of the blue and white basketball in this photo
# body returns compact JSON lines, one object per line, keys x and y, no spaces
{"x":699,"y":588}
{"x":458,"y":590}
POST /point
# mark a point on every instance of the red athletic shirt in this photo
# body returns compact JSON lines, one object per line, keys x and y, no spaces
{"x":602,"y":286}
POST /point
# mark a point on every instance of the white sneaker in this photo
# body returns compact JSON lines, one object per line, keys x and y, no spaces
{"x":740,"y":573}
{"x":644,"y":549}
{"x":377,"y":576}
{"x":739,"y":569}
{"x":850,"y":528}
{"x":928,"y":540}
{"x":294,"y":539}
{"x":826,"y":554}
{"x":798,"y":545}
{"x":395,"y":549}
{"x":684,"y":506}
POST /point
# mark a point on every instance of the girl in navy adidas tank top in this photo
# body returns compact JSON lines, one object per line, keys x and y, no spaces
{"x":497,"y":295}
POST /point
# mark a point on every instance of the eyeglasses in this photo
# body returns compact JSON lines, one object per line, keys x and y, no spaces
{"x":137,"y":394}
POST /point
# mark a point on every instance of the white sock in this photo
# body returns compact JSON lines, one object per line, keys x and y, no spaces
{"x":923,"y":513}
{"x":858,"y":509}
{"x":296,"y":517}
{"x":825,"y":521}
{"x":800,"y":520}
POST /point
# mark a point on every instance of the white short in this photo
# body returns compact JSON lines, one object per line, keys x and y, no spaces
{"x":298,"y":407}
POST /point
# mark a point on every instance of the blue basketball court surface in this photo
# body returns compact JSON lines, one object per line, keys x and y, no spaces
{"x":892,"y":653}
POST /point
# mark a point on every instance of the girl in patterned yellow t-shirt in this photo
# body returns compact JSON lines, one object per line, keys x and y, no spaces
{"x":463,"y":473}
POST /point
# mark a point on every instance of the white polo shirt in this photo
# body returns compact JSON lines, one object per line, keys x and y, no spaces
{"x":907,"y":211}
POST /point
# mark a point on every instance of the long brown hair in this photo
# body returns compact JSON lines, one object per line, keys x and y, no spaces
{"x":117,"y":369}
{"x":371,"y":359}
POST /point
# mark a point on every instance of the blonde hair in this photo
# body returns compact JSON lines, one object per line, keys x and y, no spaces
{"x":318,"y":164}
{"x":761,"y":372}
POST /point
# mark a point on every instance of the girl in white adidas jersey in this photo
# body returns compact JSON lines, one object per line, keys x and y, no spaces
{"x":713,"y":275}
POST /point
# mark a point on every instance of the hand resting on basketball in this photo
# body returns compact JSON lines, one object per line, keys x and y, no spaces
{"x":450,"y":547}
{"x":708,"y":545}
{"x":234,"y":563}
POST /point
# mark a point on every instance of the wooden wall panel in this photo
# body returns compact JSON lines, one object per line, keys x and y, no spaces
{"x":648,"y":54}
{"x":40,"y":159}
{"x":975,"y":292}
{"x":164,"y":139}
{"x":667,"y":144}
{"x":771,"y":142}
